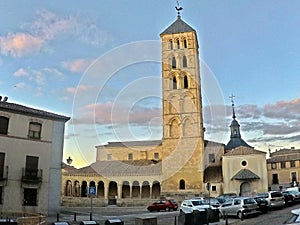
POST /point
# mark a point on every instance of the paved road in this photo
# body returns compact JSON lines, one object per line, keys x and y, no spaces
{"x":129,"y":214}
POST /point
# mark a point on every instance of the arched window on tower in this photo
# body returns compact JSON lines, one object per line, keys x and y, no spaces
{"x":173,"y":63}
{"x":171,"y":44}
{"x":178,"y":44}
{"x":185,"y":43}
{"x":185,"y":82}
{"x":174,"y":83}
{"x":181,"y":184}
{"x":184,"y":61}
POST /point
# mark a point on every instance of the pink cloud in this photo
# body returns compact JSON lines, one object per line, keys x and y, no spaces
{"x":78,"y":89}
{"x":77,"y":66}
{"x":20,"y":44}
{"x":283,"y":109}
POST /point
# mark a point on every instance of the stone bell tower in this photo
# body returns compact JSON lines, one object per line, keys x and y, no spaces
{"x":183,"y":138}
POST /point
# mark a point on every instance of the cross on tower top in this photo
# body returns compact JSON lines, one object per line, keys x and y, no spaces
{"x":232,"y":104}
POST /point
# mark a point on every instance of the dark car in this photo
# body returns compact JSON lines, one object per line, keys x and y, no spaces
{"x":262,"y":204}
{"x":167,"y":205}
{"x":291,"y":197}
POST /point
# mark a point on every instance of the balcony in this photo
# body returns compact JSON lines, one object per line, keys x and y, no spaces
{"x":32,"y":176}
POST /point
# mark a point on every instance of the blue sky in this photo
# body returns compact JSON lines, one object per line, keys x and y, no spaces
{"x":98,"y":62}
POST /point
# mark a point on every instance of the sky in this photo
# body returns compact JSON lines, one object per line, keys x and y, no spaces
{"x":99,"y":62}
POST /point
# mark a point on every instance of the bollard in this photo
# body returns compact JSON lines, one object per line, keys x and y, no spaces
{"x":57,"y":217}
{"x":91,"y":216}
{"x":75,"y":216}
{"x":226,"y":220}
{"x":175,"y":220}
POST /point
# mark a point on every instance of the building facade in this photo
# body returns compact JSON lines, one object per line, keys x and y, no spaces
{"x":31,"y":148}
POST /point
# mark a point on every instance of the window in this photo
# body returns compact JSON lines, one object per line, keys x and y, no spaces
{"x":181,"y":184}
{"x":185,"y":80}
{"x":292,"y":163}
{"x":171,"y":44}
{"x":173,"y":63}
{"x":184,"y":62}
{"x":294,"y":176}
{"x":30,"y":197}
{"x":31,"y":167}
{"x":174,"y":83}
{"x":273,"y":166}
{"x":185,"y":43}
{"x":2,"y":158}
{"x":3,"y":125}
{"x":213,"y":188}
{"x":178,"y":44}
{"x":130,"y":156}
{"x":244,"y":163}
{"x":35,"y":130}
{"x":1,"y":195}
{"x":275,"y":178}
{"x":282,"y":164}
{"x":211,"y":158}
{"x":156,"y":155}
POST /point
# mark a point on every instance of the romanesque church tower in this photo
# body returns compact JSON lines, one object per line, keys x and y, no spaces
{"x":183,"y":139}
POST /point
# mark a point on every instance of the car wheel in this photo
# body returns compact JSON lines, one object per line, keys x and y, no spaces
{"x":240,"y":215}
{"x":174,"y":209}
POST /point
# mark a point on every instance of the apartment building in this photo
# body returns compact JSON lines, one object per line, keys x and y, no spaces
{"x":31,"y":148}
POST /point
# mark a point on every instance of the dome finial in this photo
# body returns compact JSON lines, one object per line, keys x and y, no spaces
{"x":178,"y":8}
{"x":232,"y":104}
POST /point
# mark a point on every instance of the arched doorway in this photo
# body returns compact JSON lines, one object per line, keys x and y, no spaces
{"x":245,"y":189}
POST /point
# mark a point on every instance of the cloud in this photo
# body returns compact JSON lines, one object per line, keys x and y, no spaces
{"x":287,"y":110}
{"x":80,"y":89}
{"x":37,"y":79}
{"x":77,"y":65}
{"x":47,"y":26}
{"x":20,"y":44}
{"x":105,"y":113}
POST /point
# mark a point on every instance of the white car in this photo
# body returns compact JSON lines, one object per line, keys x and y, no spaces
{"x":294,"y":218}
{"x":188,"y":206}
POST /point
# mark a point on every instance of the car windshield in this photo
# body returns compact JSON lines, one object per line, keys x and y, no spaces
{"x":264,"y":195}
{"x":172,"y":201}
{"x":249,"y":201}
{"x":197,"y":202}
{"x":276,"y":194}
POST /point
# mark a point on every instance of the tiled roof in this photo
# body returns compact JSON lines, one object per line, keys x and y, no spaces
{"x":179,"y":26}
{"x":285,"y":152}
{"x":20,"y":109}
{"x":245,"y":174}
{"x":133,"y":143}
{"x":121,"y":168}
{"x":284,"y":158}
{"x":213,"y":174}
{"x":243,"y":151}
{"x":236,"y":142}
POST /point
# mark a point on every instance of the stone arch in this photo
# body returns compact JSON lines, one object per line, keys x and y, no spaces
{"x":187,"y":127}
{"x":135,"y":189}
{"x":68,"y":189}
{"x":145,"y":189}
{"x":125,"y":189}
{"x":188,"y":102}
{"x":83,"y":189}
{"x":245,"y":189}
{"x":175,"y":128}
{"x":182,"y":184}
{"x":156,"y":189}
{"x":77,"y":188}
{"x":112,"y":190}
{"x":174,"y":106}
{"x":100,"y":189}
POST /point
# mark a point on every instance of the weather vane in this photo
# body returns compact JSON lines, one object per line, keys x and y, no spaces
{"x":232,"y":103}
{"x":178,"y":8}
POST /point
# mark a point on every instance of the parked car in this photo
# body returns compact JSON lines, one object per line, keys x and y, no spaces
{"x":240,"y":207}
{"x":189,"y":205}
{"x":213,"y":202}
{"x":167,"y":205}
{"x":294,"y":218}
{"x":262,"y":204}
{"x":291,"y":197}
{"x":275,"y":198}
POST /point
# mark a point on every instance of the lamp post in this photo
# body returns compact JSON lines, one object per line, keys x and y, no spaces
{"x":69,"y":160}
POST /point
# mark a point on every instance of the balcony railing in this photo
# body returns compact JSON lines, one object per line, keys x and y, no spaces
{"x":33,"y":176}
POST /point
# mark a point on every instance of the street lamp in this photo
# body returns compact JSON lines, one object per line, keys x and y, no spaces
{"x":69,"y":160}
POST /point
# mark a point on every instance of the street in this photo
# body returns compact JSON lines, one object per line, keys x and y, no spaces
{"x":128,"y":215}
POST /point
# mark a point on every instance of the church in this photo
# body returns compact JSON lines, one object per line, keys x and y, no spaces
{"x":182,"y":164}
